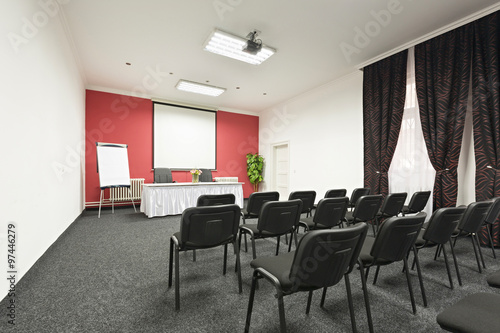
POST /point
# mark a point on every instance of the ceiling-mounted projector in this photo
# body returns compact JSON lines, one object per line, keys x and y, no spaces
{"x":253,"y":44}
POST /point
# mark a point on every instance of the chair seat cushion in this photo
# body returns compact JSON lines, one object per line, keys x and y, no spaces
{"x":257,"y":233}
{"x":494,"y":279}
{"x":476,"y":313}
{"x":308,"y":221}
{"x":365,"y":255}
{"x":278,"y":266}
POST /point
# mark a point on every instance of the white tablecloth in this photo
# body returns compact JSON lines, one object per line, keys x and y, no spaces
{"x":173,"y":198}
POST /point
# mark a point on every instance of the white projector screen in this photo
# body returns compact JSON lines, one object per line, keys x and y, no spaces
{"x":183,"y":138}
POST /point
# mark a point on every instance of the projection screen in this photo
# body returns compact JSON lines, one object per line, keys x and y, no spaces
{"x":184,"y":137}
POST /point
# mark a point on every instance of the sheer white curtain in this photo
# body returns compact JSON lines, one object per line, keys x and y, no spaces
{"x":411,"y":169}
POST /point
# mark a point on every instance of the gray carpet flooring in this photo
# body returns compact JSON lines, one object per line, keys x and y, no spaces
{"x":110,"y":275}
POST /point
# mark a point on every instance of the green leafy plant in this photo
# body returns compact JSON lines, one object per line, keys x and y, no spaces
{"x":255,"y":167}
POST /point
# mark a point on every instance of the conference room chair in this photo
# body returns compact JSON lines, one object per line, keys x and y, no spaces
{"x":395,"y":238}
{"x":329,"y":213}
{"x":206,"y":176}
{"x":307,"y":197}
{"x":365,"y":210}
{"x":391,"y":206}
{"x":490,"y":219}
{"x":470,"y":224}
{"x":163,"y":175}
{"x":356,"y":194}
{"x":334,"y":193}
{"x":276,"y":219}
{"x":203,"y":228}
{"x":215,"y":199}
{"x":437,"y":233}
{"x":417,"y":202}
{"x":474,"y":313}
{"x":321,"y":260}
{"x":254,"y":205}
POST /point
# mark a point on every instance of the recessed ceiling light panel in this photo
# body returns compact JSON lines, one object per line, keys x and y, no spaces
{"x":199,"y":88}
{"x":226,"y":44}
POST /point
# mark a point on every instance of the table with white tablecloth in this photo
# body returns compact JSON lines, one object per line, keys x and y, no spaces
{"x":173,"y":198}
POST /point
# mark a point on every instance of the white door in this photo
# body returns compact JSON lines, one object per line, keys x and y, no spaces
{"x":281,"y":169}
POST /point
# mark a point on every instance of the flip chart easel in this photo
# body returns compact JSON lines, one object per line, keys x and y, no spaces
{"x":113,"y":169}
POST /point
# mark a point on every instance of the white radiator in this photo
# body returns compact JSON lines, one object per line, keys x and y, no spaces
{"x":123,"y":194}
{"x":226,"y":179}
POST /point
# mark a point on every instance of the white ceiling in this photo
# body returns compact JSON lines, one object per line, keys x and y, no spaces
{"x":163,"y":40}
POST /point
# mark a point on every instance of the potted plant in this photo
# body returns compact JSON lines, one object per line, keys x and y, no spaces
{"x":255,"y":167}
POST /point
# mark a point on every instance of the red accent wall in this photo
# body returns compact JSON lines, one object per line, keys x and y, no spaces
{"x":128,"y":120}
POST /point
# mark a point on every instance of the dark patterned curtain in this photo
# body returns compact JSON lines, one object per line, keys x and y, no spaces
{"x":486,"y":112}
{"x":384,"y":89}
{"x":442,"y":74}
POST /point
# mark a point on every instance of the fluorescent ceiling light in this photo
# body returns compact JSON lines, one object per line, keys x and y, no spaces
{"x":199,"y":88}
{"x":232,"y":46}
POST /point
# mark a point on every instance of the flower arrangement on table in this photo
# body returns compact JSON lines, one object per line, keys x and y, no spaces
{"x":195,"y":173}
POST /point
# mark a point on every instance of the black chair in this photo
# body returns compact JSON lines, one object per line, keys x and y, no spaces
{"x":469,"y":225}
{"x":417,"y":202}
{"x":206,"y":176}
{"x":322,"y":258}
{"x":395,"y":238}
{"x":356,"y":194}
{"x":215,"y":199}
{"x":438,"y":232}
{"x":163,"y":175}
{"x":365,"y":210}
{"x":490,"y":219}
{"x":391,"y":206}
{"x":329,"y":213}
{"x":475,"y":313}
{"x":254,"y":205}
{"x":336,"y":193}
{"x":255,"y":202}
{"x":277,"y":218}
{"x":307,"y":197}
{"x":203,"y":228}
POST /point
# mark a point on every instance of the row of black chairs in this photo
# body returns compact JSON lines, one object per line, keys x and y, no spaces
{"x":392,"y":243}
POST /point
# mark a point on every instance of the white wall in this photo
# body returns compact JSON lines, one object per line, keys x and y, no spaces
{"x":324,"y":128}
{"x":41,"y":130}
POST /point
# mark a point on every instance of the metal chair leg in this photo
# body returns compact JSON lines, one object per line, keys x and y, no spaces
{"x":250,"y":302}
{"x":412,"y":298}
{"x":456,"y":264}
{"x":365,"y":295}
{"x":349,"y":300}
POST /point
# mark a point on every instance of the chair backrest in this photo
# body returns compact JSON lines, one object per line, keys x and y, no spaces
{"x":163,"y":175}
{"x":279,"y":217}
{"x":307,"y":197}
{"x":336,"y":193}
{"x":215,"y":199}
{"x":396,"y":236}
{"x":356,"y":194}
{"x":210,"y":225}
{"x":324,"y":256}
{"x":257,"y":199}
{"x":474,"y":216}
{"x":494,"y":211}
{"x":442,"y":224}
{"x":331,"y":211}
{"x":418,"y":201}
{"x":367,"y":207}
{"x":206,"y":175}
{"x":393,"y":203}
